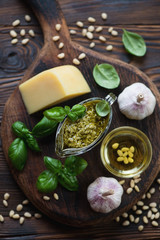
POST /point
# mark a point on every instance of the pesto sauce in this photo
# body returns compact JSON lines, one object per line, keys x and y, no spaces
{"x":85,"y":130}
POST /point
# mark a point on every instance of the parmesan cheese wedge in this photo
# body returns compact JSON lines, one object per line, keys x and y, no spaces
{"x":53,"y":86}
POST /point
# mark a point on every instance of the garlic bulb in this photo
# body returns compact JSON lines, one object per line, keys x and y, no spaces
{"x":104,"y":194}
{"x":136,"y":101}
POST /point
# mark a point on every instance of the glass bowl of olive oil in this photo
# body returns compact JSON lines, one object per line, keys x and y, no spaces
{"x":75,"y":138}
{"x":126,"y":152}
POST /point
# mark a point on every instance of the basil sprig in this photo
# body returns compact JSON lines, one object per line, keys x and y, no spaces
{"x":106,"y":76}
{"x":103,"y":108}
{"x":58,"y":173}
{"x":134,"y":43}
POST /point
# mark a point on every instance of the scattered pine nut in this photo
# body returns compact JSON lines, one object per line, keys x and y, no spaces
{"x":137,"y":176}
{"x":22,"y":32}
{"x":104,"y":16}
{"x":16,"y":23}
{"x":1,"y":218}
{"x":25,"y":41}
{"x":99,"y":29}
{"x":134,"y":208}
{"x":76,"y":61}
{"x":154,"y":223}
{"x":84,"y":32}
{"x":89,"y":35}
{"x":6,"y":196}
{"x":46,"y":198}
{"x":82,"y":56}
{"x":137,"y":180}
{"x":91,"y":28}
{"x":31,"y":33}
{"x":61,"y":55}
{"x":145,"y":219}
{"x":11,"y":213}
{"x":149,"y":214}
{"x":115,"y":145}
{"x":157,"y":215}
{"x":55,"y":38}
{"x":140,"y":203}
{"x":126,"y":223}
{"x":152,"y":190}
{"x":144,"y":196}
{"x":154,"y":210}
{"x":25,"y":202}
{"x":125,"y":215}
{"x":21,"y":220}
{"x":121,"y":182}
{"x":136,"y":188}
{"x":145,"y":207}
{"x":55,"y":195}
{"x":132,"y":183}
{"x":91,"y":19}
{"x":19,"y":207}
{"x":117,"y":219}
{"x":139,"y":212}
{"x":79,"y":24}
{"x":129,"y":190}
{"x":58,"y":27}
{"x":13,"y":33}
{"x":102,"y":38}
{"x":110,"y":29}
{"x":131,"y":218}
{"x":14,"y":41}
{"x":27,"y":215}
{"x":16,"y":216}
{"x":92,"y":45}
{"x":152,"y":216}
{"x":153,"y":204}
{"x":37,"y":215}
{"x":109,"y":48}
{"x":5,"y":203}
{"x":114,"y":33}
{"x":27,"y":18}
{"x":158,"y":180}
{"x":136,"y":220}
{"x":72,"y":31}
{"x":61,"y":45}
{"x":148,"y":195}
{"x":140,"y":228}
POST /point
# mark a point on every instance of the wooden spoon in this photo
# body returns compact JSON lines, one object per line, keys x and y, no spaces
{"x":72,"y":208}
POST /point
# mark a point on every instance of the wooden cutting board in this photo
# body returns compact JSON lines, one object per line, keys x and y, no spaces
{"x":72,"y":208}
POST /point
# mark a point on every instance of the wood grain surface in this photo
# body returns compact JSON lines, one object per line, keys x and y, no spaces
{"x":17,"y":58}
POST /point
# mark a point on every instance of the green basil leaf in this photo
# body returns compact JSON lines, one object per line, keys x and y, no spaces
{"x":32,"y":143}
{"x":79,"y":110}
{"x":102,"y":108}
{"x":67,"y":180}
{"x":72,"y":116}
{"x":106,"y":76}
{"x":67,"y":109}
{"x":75,"y":165}
{"x":134,"y":43}
{"x":44,"y":128}
{"x":17,"y":152}
{"x":56,"y":113}
{"x":47,"y":181}
{"x":52,"y":164}
{"x":20,"y":129}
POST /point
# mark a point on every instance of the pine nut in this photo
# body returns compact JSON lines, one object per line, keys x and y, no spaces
{"x":137,"y":180}
{"x":125,"y":215}
{"x":72,"y":31}
{"x":61,"y":55}
{"x":144,"y":196}
{"x":119,"y":152}
{"x":136,"y":188}
{"x":139,"y":212}
{"x":92,"y":45}
{"x":140,"y":203}
{"x":104,"y":16}
{"x":25,"y":41}
{"x":153,"y":204}
{"x":136,"y":220}
{"x":114,"y":33}
{"x":129,"y":190}
{"x":25,"y":202}
{"x":37,"y":215}
{"x":132,"y":183}
{"x":58,"y":27}
{"x":14,"y":41}
{"x":55,"y":195}
{"x":140,"y":228}
{"x":145,"y":219}
{"x":91,"y":28}
{"x":102,"y":38}
{"x":99,"y":29}
{"x":158,"y":180}
{"x":5,"y":203}
{"x":46,"y":198}
{"x":110,"y":29}
{"x":11,"y":213}
{"x":145,"y":207}
{"x":109,"y":48}
{"x":19,"y":207}
{"x":121,"y":182}
{"x":137,"y":176}
{"x":1,"y":218}
{"x":16,"y":216}
{"x":55,"y":38}
{"x":61,"y":45}
{"x":152,"y":216}
{"x":154,"y":210}
{"x":27,"y":18}
{"x":154,"y":223}
{"x":126,"y":223}
{"x":131,"y":217}
{"x":132,"y":149}
{"x":117,"y":219}
{"x":91,"y":19}
{"x":79,"y":24}
{"x":149,"y":214}
{"x":148,"y":195}
{"x":84,"y":32}
{"x":82,"y":56}
{"x":16,"y":23}
{"x":27,"y":215}
{"x":152,"y":190}
{"x":22,"y":32}
{"x":89,"y":35}
{"x":6,"y":196}
{"x":13,"y":33}
{"x":157,"y":215}
{"x":134,"y":208}
{"x":31,"y":33}
{"x":21,"y":220}
{"x":76,"y":61}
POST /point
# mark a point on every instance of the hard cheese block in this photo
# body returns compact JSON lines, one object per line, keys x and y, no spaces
{"x":53,"y":86}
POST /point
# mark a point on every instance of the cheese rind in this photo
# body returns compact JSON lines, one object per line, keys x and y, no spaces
{"x":53,"y":86}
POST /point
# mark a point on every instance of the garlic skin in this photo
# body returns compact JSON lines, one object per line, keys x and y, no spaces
{"x":136,"y":101}
{"x":104,"y":194}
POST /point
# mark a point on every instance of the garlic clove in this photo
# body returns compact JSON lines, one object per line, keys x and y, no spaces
{"x":136,"y":101}
{"x":104,"y":194}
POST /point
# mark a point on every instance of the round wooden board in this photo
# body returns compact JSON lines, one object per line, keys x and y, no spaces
{"x":72,"y":208}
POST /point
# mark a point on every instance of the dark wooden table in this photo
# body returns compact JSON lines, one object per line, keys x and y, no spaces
{"x":139,"y":16}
